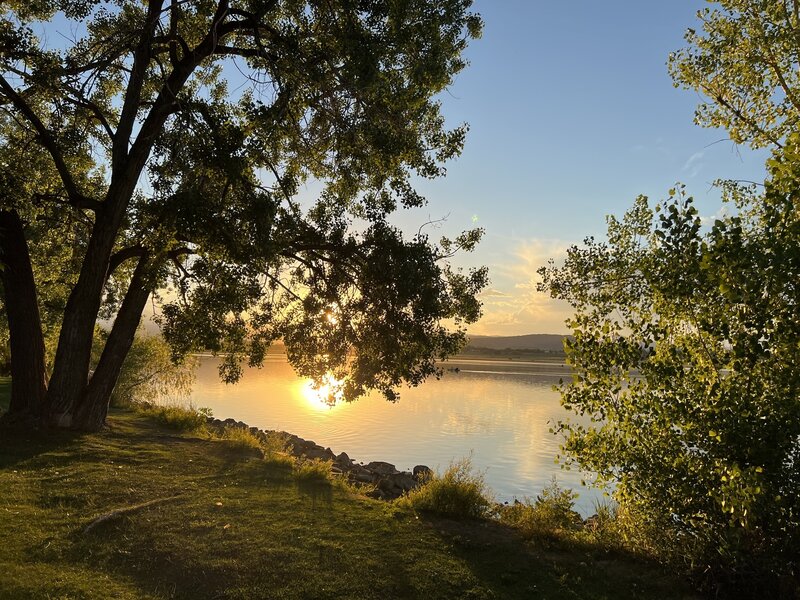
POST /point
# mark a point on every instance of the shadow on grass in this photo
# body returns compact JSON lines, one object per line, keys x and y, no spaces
{"x":19,"y":446}
{"x":318,"y":492}
{"x":513,"y":567}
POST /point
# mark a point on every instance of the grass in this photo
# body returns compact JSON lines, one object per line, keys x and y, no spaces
{"x":459,"y":492}
{"x":242,"y":439}
{"x":179,"y":418}
{"x":552,"y":515}
{"x":233,"y":525}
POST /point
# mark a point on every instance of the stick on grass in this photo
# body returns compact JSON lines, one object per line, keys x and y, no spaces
{"x":126,"y":510}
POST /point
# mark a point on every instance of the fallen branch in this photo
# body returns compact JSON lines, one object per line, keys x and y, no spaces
{"x":124,"y":511}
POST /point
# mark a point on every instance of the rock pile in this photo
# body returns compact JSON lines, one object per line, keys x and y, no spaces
{"x":388,"y":482}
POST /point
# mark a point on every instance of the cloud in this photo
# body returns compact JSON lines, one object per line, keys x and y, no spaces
{"x":493,"y":292}
{"x":514,"y":306}
{"x":694,"y":164}
{"x":708,"y":220}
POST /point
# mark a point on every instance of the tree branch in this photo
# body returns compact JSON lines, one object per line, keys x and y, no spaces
{"x":76,"y":198}
{"x":130,"y":106}
{"x":122,"y":255}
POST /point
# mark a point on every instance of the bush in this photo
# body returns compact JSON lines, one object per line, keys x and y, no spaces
{"x":686,"y":377}
{"x":313,"y":471}
{"x":148,"y":373}
{"x":551,"y":514}
{"x":460,"y":492}
{"x":276,"y":449}
{"x":176,"y":417}
{"x":241,"y":438}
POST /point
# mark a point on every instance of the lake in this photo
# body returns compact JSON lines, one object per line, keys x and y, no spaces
{"x":500,"y":412}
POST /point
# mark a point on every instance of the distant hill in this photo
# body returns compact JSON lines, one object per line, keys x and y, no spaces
{"x":535,"y":341}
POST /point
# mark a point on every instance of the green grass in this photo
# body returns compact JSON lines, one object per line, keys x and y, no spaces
{"x":551,"y":515}
{"x":179,"y":418}
{"x":459,"y":492}
{"x":234,"y":525}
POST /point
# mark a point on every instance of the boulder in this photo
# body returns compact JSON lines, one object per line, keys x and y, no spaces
{"x":344,"y":461}
{"x":381,"y":468}
{"x":362,"y":475}
{"x":422,"y":473}
{"x":404,"y":482}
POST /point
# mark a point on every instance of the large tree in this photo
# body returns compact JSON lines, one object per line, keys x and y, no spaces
{"x":686,"y":346}
{"x":744,"y":60}
{"x":685,"y":357}
{"x":172,"y":141}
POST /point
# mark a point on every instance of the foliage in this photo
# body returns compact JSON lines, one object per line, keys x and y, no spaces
{"x":149,"y":373}
{"x":744,"y":61}
{"x":685,"y":362}
{"x":241,"y":438}
{"x":459,"y":492}
{"x":313,"y":471}
{"x":174,"y":143}
{"x":275,"y":447}
{"x":551,"y":514}
{"x":180,"y":418}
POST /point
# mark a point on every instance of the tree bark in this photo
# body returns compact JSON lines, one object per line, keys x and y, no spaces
{"x":68,"y":384}
{"x":90,"y":413}
{"x":73,"y":355}
{"x":28,"y":376}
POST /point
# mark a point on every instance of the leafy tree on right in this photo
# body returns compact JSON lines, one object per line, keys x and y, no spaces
{"x":686,"y":349}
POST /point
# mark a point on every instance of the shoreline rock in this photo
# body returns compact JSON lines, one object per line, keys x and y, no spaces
{"x":389,"y":483}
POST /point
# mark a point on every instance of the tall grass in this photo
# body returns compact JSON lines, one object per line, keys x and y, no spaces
{"x":180,"y":418}
{"x":459,"y":492}
{"x":313,"y":471}
{"x":552,"y":513}
{"x":241,"y":438}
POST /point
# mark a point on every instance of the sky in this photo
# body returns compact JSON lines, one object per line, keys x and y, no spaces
{"x":572,"y":114}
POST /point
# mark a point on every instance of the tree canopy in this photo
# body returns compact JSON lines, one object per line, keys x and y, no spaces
{"x":170,"y":145}
{"x":686,"y":333}
{"x":745,"y":60}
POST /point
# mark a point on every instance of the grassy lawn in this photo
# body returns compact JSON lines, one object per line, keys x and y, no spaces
{"x":233,"y":525}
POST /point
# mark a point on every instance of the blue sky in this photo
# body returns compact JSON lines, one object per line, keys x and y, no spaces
{"x":572,"y":115}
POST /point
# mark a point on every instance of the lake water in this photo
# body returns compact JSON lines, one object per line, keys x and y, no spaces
{"x":500,"y":412}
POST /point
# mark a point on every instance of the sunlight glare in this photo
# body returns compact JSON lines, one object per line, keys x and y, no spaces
{"x":326,"y":396}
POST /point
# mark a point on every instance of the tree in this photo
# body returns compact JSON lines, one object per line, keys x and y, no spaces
{"x":745,"y":62}
{"x":685,"y":363}
{"x":686,"y":336}
{"x":180,"y":134}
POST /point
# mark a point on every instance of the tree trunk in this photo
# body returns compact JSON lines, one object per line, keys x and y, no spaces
{"x":28,"y":377}
{"x":73,"y":355}
{"x":90,"y":414}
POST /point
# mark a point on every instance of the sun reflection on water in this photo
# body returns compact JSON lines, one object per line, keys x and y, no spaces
{"x":326,"y":396}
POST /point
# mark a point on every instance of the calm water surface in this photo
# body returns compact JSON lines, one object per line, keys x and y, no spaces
{"x":498,"y":411}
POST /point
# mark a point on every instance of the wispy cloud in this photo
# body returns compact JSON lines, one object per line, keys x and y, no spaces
{"x":694,"y":164}
{"x":493,"y":292}
{"x":514,"y":306}
{"x":708,"y":220}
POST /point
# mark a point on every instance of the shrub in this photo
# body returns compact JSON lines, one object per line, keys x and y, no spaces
{"x":551,"y":514}
{"x":276,"y":449}
{"x":176,"y":417}
{"x":460,"y":492}
{"x":241,"y":438}
{"x":311,"y":471}
{"x":149,"y":372}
